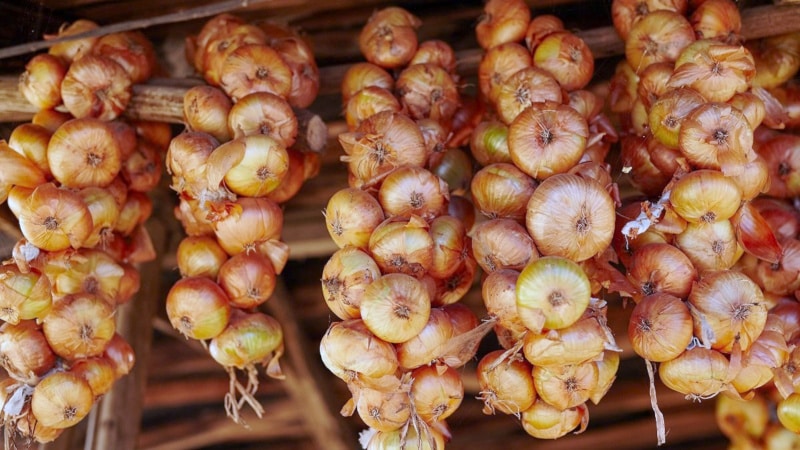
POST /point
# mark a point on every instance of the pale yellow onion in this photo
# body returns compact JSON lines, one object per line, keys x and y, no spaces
{"x":543,"y":421}
{"x":565,"y":386}
{"x":395,"y":307}
{"x":552,"y":293}
{"x":506,"y":385}
{"x":698,"y":373}
{"x":344,"y":279}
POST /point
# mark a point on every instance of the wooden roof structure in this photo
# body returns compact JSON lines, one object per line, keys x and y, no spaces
{"x":173,"y":399}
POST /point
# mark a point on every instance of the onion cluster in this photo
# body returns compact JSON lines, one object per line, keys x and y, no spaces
{"x":77,"y":183}
{"x":710,"y":260}
{"x":240,"y":157}
{"x":547,"y":206}
{"x":405,"y":258}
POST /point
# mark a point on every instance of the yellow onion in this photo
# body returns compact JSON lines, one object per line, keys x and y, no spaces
{"x":437,"y":52}
{"x":23,"y":296}
{"x":219,"y":25}
{"x":389,"y":39}
{"x":667,"y":114}
{"x":30,"y":141}
{"x":99,"y":372}
{"x":412,"y":438}
{"x":737,"y":417}
{"x":777,"y":437}
{"x":501,"y":190}
{"x":257,"y":221}
{"x":489,"y":143}
{"x":32,"y":429}
{"x":783,"y":276}
{"x":200,"y":256}
{"x":499,"y":63}
{"x":61,"y":400}
{"x":427,"y":346}
{"x":249,"y":338}
{"x":731,"y":305}
{"x":717,"y":19}
{"x":552,"y":293}
{"x":382,"y":143}
{"x":789,"y":412}
{"x":506,"y":385}
{"x":500,"y":298}
{"x":131,"y":50}
{"x":84,"y":152}
{"x":198,"y":308}
{"x":565,"y":386}
{"x":570,"y":216}
{"x":626,"y":13}
{"x":395,"y":307}
{"x":187,"y":158}
{"x":502,"y":21}
{"x":660,"y":327}
{"x":353,"y":353}
{"x":777,"y":59}
{"x":759,"y":362}
{"x":381,"y":410}
{"x":606,"y":374}
{"x":582,"y":341}
{"x":105,"y":214}
{"x":698,"y":373}
{"x":427,"y":91}
{"x":436,"y":393}
{"x":40,"y":84}
{"x":344,"y":280}
{"x":255,"y":68}
{"x":716,"y":70}
{"x":363,"y":75}
{"x":709,"y":246}
{"x":50,"y":119}
{"x":251,"y":166}
{"x":24,"y":351}
{"x":783,"y":160}
{"x":96,"y":86}
{"x":120,"y":353}
{"x":367,"y":102}
{"x":206,"y":109}
{"x":351,"y":216}
{"x":299,"y":56}
{"x":539,"y":27}
{"x":661,"y":268}
{"x":659,"y":36}
{"x":402,"y":246}
{"x":521,"y":89}
{"x":450,"y":245}
{"x":717,"y":136}
{"x":214,"y":57}
{"x":547,"y":139}
{"x":705,"y":196}
{"x":79,"y":326}
{"x":543,"y":421}
{"x":411,"y":191}
{"x":263,"y":113}
{"x":653,"y":82}
{"x":142,"y":169}
{"x":567,"y":57}
{"x":248,"y":279}
{"x":91,"y":271}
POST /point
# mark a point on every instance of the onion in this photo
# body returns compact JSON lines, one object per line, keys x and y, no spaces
{"x":522,"y":88}
{"x":367,"y":102}
{"x":395,"y":307}
{"x":345,"y":278}
{"x":539,"y":27}
{"x":200,"y":256}
{"x":500,"y":298}
{"x":257,"y":222}
{"x":581,"y":342}
{"x":717,"y":19}
{"x":383,"y":411}
{"x":247,"y":279}
{"x":659,"y":36}
{"x":737,"y":417}
{"x":606,"y":374}
{"x":668,"y":113}
{"x":717,"y":71}
{"x":411,"y":191}
{"x":61,"y":400}
{"x":502,"y":244}
{"x":661,"y":268}
{"x":40,"y":84}
{"x":23,"y":295}
{"x":489,"y":143}
{"x":436,"y":52}
{"x":709,"y":246}
{"x":543,"y":421}
{"x":24,"y":351}
{"x":263,"y":113}
{"x":565,"y":386}
{"x":427,"y":91}
{"x":566,"y":57}
{"x":363,"y":75}
{"x":789,"y":412}
{"x":99,"y":372}
{"x":660,"y":327}
{"x":506,"y":385}
{"x":552,"y":293}
{"x":79,"y":326}
{"x":501,"y":190}
{"x":249,"y":338}
{"x":499,"y":63}
{"x":450,"y":246}
{"x":96,"y":86}
{"x":351,"y":216}
{"x":698,"y":373}
{"x":255,"y":68}
{"x":570,"y":216}
{"x":83,"y":153}
{"x":131,"y":50}
{"x":626,"y":13}
{"x":426,"y":347}
{"x":198,"y":308}
{"x":502,"y":21}
{"x":353,"y":353}
{"x":389,"y":39}
{"x":436,"y":393}
{"x":717,"y":136}
{"x":547,"y":139}
{"x":705,"y":196}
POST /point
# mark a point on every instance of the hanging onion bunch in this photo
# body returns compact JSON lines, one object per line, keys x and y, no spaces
{"x":77,"y":182}
{"x":405,"y":257}
{"x":709,"y":258}
{"x":246,"y":150}
{"x":548,"y":200}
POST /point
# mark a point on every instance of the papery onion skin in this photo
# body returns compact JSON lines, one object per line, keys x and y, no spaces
{"x":502,"y":21}
{"x":344,"y":279}
{"x":96,"y":86}
{"x":789,"y":412}
{"x":436,"y":395}
{"x":657,"y":37}
{"x":565,"y":386}
{"x":660,"y":267}
{"x":502,"y":244}
{"x":501,"y":190}
{"x":40,"y":84}
{"x":506,"y":386}
{"x":79,"y":326}
{"x":98,"y":154}
{"x":389,"y":39}
{"x":543,"y":421}
{"x":395,"y":307}
{"x":351,"y":215}
{"x":198,"y":308}
{"x":705,"y":196}
{"x":248,"y":339}
{"x":570,"y":216}
{"x":350,"y":350}
{"x":581,"y":342}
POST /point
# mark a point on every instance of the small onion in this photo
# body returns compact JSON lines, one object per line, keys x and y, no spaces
{"x":352,"y":352}
{"x":543,"y":421}
{"x":83,"y":153}
{"x":249,"y":338}
{"x":661,"y":268}
{"x":23,"y":296}
{"x":402,"y":246}
{"x":351,"y":216}
{"x":383,"y":411}
{"x":205,"y":109}
{"x":660,"y":327}
{"x":565,"y":386}
{"x":501,"y":190}
{"x":96,"y":86}
{"x":500,"y":298}
{"x":79,"y":326}
{"x":576,"y":344}
{"x":200,"y":256}
{"x":450,"y":246}
{"x":506,"y":385}
{"x":426,"y":347}
{"x":570,"y":216}
{"x":502,"y":244}
{"x":345,"y":278}
{"x":40,"y":84}
{"x":436,"y":393}
{"x":789,"y":412}
{"x":99,"y":372}
{"x":24,"y":351}
{"x":389,"y":39}
{"x":411,"y":191}
{"x":552,"y":293}
{"x":502,"y":21}
{"x":395,"y":307}
{"x":698,"y":373}
{"x":198,"y":308}
{"x":61,"y":400}
{"x":247,"y":279}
